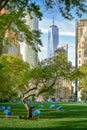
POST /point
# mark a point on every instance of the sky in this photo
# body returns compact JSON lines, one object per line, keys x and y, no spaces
{"x":66,"y":32}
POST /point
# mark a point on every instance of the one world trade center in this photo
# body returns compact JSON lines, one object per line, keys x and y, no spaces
{"x":53,"y":40}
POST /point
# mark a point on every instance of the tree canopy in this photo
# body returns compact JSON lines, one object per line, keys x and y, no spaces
{"x":83,"y":81}
{"x":13,"y":22}
{"x":64,"y":7}
{"x":3,"y":3}
{"x":16,"y":76}
{"x":13,"y":73}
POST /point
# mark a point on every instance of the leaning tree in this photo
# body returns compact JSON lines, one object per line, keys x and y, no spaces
{"x":43,"y":78}
{"x":16,"y":76}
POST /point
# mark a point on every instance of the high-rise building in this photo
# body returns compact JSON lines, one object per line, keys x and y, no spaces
{"x":14,"y":47}
{"x":81,"y":42}
{"x":53,"y":40}
{"x":29,"y":54}
{"x":81,"y":49}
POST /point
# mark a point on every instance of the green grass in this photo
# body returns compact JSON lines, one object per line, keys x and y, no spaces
{"x":73,"y":116}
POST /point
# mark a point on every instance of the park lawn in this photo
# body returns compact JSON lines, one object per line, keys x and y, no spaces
{"x":72,"y":116}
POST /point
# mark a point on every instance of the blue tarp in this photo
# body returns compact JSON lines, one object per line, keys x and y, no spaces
{"x":52,"y":106}
{"x":2,"y":107}
{"x":36,"y":112}
{"x":7,"y":112}
{"x":59,"y":107}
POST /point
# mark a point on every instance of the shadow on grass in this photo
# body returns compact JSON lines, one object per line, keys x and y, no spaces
{"x":70,"y":125}
{"x":65,"y":114}
{"x":49,"y":128}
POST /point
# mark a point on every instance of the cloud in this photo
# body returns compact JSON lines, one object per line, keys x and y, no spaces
{"x":67,"y":33}
{"x":60,"y":33}
{"x":44,"y":30}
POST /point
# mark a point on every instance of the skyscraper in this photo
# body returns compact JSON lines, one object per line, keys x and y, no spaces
{"x":81,"y":42}
{"x":53,"y":40}
{"x":81,"y":49}
{"x":12,"y":48}
{"x":29,"y":54}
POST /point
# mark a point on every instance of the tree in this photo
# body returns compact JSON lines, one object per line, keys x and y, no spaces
{"x":13,"y":73}
{"x":13,"y":20}
{"x":82,"y":82}
{"x":65,"y":7}
{"x":16,"y":76}
{"x":50,"y":71}
{"x":3,"y":3}
{"x":13,"y":23}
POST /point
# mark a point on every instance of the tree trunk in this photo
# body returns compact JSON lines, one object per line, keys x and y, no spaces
{"x":28,"y":108}
{"x":30,"y":112}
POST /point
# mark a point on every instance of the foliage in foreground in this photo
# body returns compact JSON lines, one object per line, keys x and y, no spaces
{"x":13,"y":22}
{"x":13,"y":73}
{"x":64,"y":7}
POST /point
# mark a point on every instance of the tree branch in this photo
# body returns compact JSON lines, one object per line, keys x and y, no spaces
{"x":30,"y":90}
{"x":46,"y":88}
{"x":3,"y":4}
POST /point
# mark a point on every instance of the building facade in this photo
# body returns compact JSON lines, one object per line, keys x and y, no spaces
{"x":81,"y":42}
{"x":14,"y":47}
{"x":53,"y":40}
{"x":29,"y":54}
{"x":81,"y":48}
{"x":64,"y":90}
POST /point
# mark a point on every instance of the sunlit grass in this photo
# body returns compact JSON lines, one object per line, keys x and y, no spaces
{"x":72,"y":116}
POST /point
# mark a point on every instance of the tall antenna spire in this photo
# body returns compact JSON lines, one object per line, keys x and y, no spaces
{"x":53,"y":19}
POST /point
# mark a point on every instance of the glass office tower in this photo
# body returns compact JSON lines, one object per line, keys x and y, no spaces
{"x":28,"y":53}
{"x":53,"y":40}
